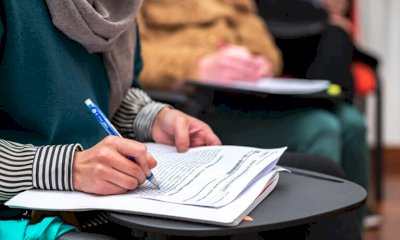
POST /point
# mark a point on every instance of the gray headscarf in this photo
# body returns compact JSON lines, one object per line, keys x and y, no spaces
{"x":106,"y":26}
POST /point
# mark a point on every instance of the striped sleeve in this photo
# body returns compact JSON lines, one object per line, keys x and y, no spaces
{"x":24,"y":166}
{"x":134,"y":118}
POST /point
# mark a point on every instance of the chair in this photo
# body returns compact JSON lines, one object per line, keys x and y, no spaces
{"x":194,"y":104}
{"x":367,"y":82}
{"x":364,"y":67}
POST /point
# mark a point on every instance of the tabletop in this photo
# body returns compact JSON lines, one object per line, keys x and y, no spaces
{"x":300,"y":197}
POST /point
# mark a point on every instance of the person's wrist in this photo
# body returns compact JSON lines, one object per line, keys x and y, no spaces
{"x":157,"y":121}
{"x":144,"y":121}
{"x":76,"y":176}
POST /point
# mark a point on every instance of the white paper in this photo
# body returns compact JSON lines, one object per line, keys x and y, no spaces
{"x":275,"y":85}
{"x":246,"y":178}
{"x":228,"y":215}
{"x":207,"y":176}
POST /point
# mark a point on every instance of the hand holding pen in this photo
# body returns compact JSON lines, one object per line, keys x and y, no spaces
{"x":104,"y":169}
{"x":107,"y":125}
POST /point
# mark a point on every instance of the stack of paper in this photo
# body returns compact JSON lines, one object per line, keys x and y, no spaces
{"x":213,"y":184}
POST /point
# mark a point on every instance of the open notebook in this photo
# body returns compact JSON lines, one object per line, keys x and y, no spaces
{"x":214,"y":184}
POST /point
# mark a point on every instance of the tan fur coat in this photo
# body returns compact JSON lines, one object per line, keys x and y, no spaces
{"x":176,"y":33}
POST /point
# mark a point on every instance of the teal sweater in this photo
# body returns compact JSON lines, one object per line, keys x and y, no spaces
{"x":45,"y":78}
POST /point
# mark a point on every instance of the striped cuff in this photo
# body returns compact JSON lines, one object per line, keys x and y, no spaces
{"x":16,"y":162}
{"x":52,"y":167}
{"x":134,"y":118}
{"x":133,"y":102}
{"x":145,"y":119}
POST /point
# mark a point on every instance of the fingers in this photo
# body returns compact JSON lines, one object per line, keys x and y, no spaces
{"x":336,"y":7}
{"x":120,"y":179}
{"x":117,"y":168}
{"x":249,"y":68}
{"x":183,"y":130}
{"x":205,"y":137}
{"x":201,"y":134}
{"x":246,"y":65}
{"x":182,"y":137}
{"x":113,"y":182}
{"x":105,"y":168}
{"x":240,"y":69}
{"x":107,"y":188}
{"x":130,"y":148}
{"x":231,"y":63}
{"x":265,"y":66}
{"x":212,"y":139}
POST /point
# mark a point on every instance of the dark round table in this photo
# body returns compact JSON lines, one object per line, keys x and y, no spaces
{"x":300,"y":197}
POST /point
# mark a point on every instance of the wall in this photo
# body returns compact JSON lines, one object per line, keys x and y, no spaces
{"x":380,"y":34}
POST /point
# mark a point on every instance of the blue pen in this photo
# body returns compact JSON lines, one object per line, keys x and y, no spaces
{"x":102,"y":119}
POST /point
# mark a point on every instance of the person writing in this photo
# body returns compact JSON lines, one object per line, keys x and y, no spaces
{"x":52,"y":58}
{"x":324,"y":49}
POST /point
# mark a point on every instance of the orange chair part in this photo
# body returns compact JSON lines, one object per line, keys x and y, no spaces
{"x":364,"y":78}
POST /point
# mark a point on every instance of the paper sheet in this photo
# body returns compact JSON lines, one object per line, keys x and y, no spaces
{"x":207,"y":176}
{"x":233,"y":182}
{"x":273,"y":85}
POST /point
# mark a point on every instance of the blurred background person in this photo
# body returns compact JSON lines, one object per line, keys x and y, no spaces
{"x":314,"y":37}
{"x":226,"y":40}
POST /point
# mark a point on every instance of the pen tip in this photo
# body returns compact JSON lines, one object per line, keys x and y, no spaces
{"x":154,"y":182}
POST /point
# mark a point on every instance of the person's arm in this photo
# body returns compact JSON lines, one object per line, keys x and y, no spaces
{"x":337,"y":11}
{"x":147,"y":120}
{"x":135,"y":116}
{"x":24,"y":166}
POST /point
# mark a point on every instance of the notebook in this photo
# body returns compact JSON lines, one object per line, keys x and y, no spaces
{"x":212,"y":184}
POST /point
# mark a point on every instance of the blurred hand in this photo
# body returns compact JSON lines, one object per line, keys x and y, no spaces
{"x":105,"y":169}
{"x":337,"y":7}
{"x":340,"y":21}
{"x":266,"y":69}
{"x":174,"y":127}
{"x":233,"y":63}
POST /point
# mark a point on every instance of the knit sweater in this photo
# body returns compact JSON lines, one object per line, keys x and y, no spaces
{"x":175,"y":34}
{"x":45,"y":78}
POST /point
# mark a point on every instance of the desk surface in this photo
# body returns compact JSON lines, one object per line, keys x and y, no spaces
{"x":300,"y":197}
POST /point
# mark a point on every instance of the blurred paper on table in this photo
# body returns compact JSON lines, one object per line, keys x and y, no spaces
{"x":273,"y":85}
